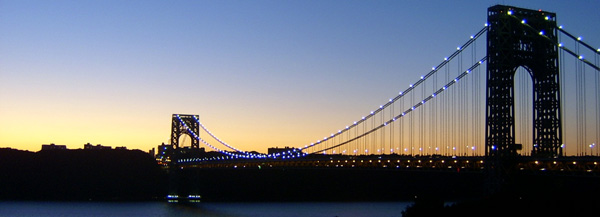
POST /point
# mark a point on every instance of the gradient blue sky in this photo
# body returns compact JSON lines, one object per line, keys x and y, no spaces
{"x":259,"y":73}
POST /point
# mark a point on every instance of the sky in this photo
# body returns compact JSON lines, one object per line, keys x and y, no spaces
{"x":258,"y":73}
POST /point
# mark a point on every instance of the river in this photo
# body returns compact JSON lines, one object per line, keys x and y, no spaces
{"x":163,"y":209}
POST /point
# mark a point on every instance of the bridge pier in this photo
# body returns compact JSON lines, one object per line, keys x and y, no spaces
{"x":183,"y":185}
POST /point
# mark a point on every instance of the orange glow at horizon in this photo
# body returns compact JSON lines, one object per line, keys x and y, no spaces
{"x":265,"y":76}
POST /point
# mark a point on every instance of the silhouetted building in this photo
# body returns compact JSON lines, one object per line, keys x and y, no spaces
{"x":152,"y":152}
{"x":164,"y":150}
{"x":89,"y":146}
{"x":52,"y":146}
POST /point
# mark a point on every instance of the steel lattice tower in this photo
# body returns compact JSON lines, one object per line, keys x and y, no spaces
{"x":522,"y":38}
{"x":178,"y":129}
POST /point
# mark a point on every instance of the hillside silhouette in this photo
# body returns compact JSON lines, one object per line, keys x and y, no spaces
{"x":105,"y":175}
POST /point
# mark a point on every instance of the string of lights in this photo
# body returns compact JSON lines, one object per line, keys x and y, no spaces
{"x":413,"y":108}
{"x":401,"y":94}
{"x":369,"y":127}
{"x":300,"y":151}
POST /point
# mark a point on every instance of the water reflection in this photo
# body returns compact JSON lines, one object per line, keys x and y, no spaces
{"x":164,"y":209}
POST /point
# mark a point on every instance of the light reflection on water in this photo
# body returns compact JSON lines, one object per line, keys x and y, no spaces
{"x":163,"y":209}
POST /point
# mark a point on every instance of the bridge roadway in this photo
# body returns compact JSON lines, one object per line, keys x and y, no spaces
{"x":575,"y":165}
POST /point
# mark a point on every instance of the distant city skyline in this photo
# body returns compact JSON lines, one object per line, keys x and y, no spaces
{"x":259,"y":74}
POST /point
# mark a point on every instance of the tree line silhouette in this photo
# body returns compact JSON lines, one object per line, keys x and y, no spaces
{"x":80,"y":175}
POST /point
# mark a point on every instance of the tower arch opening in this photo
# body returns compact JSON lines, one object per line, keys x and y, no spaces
{"x":523,"y":110}
{"x":185,"y":141}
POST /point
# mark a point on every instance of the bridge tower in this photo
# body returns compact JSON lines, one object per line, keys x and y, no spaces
{"x":525,"y":38}
{"x":178,"y":129}
{"x":522,"y":38}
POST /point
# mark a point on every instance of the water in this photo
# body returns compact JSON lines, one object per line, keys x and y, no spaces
{"x":163,"y":209}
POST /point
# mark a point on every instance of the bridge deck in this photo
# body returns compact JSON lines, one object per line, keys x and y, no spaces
{"x":587,"y":165}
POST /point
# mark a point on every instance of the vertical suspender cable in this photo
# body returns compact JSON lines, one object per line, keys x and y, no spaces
{"x":465,"y":120}
{"x":391,"y":148}
{"x":373,"y":137}
{"x":596,"y":92}
{"x":433,"y":132}
{"x":474,"y":129}
{"x":460,"y":112}
{"x":446,"y":118}
{"x":578,"y":102}
{"x":400,"y":129}
{"x":383,"y":133}
{"x":436,"y":114}
{"x":459,"y":107}
{"x":562,"y":96}
{"x":402,"y":135}
{"x":364,"y":145}
{"x":422,"y":122}
{"x":584,"y":108}
{"x":411,"y":125}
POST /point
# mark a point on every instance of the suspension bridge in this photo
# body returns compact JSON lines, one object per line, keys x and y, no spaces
{"x":525,"y":101}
